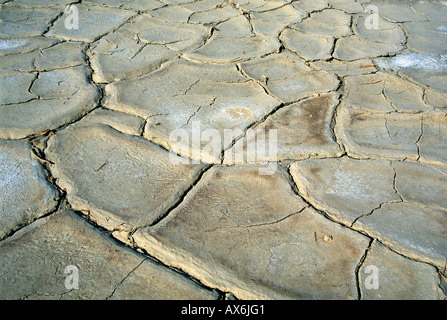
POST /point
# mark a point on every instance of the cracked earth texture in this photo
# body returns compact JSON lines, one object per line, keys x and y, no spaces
{"x":86,"y":177}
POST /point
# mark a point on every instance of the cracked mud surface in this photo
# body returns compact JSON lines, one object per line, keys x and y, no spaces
{"x":87,"y":176}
